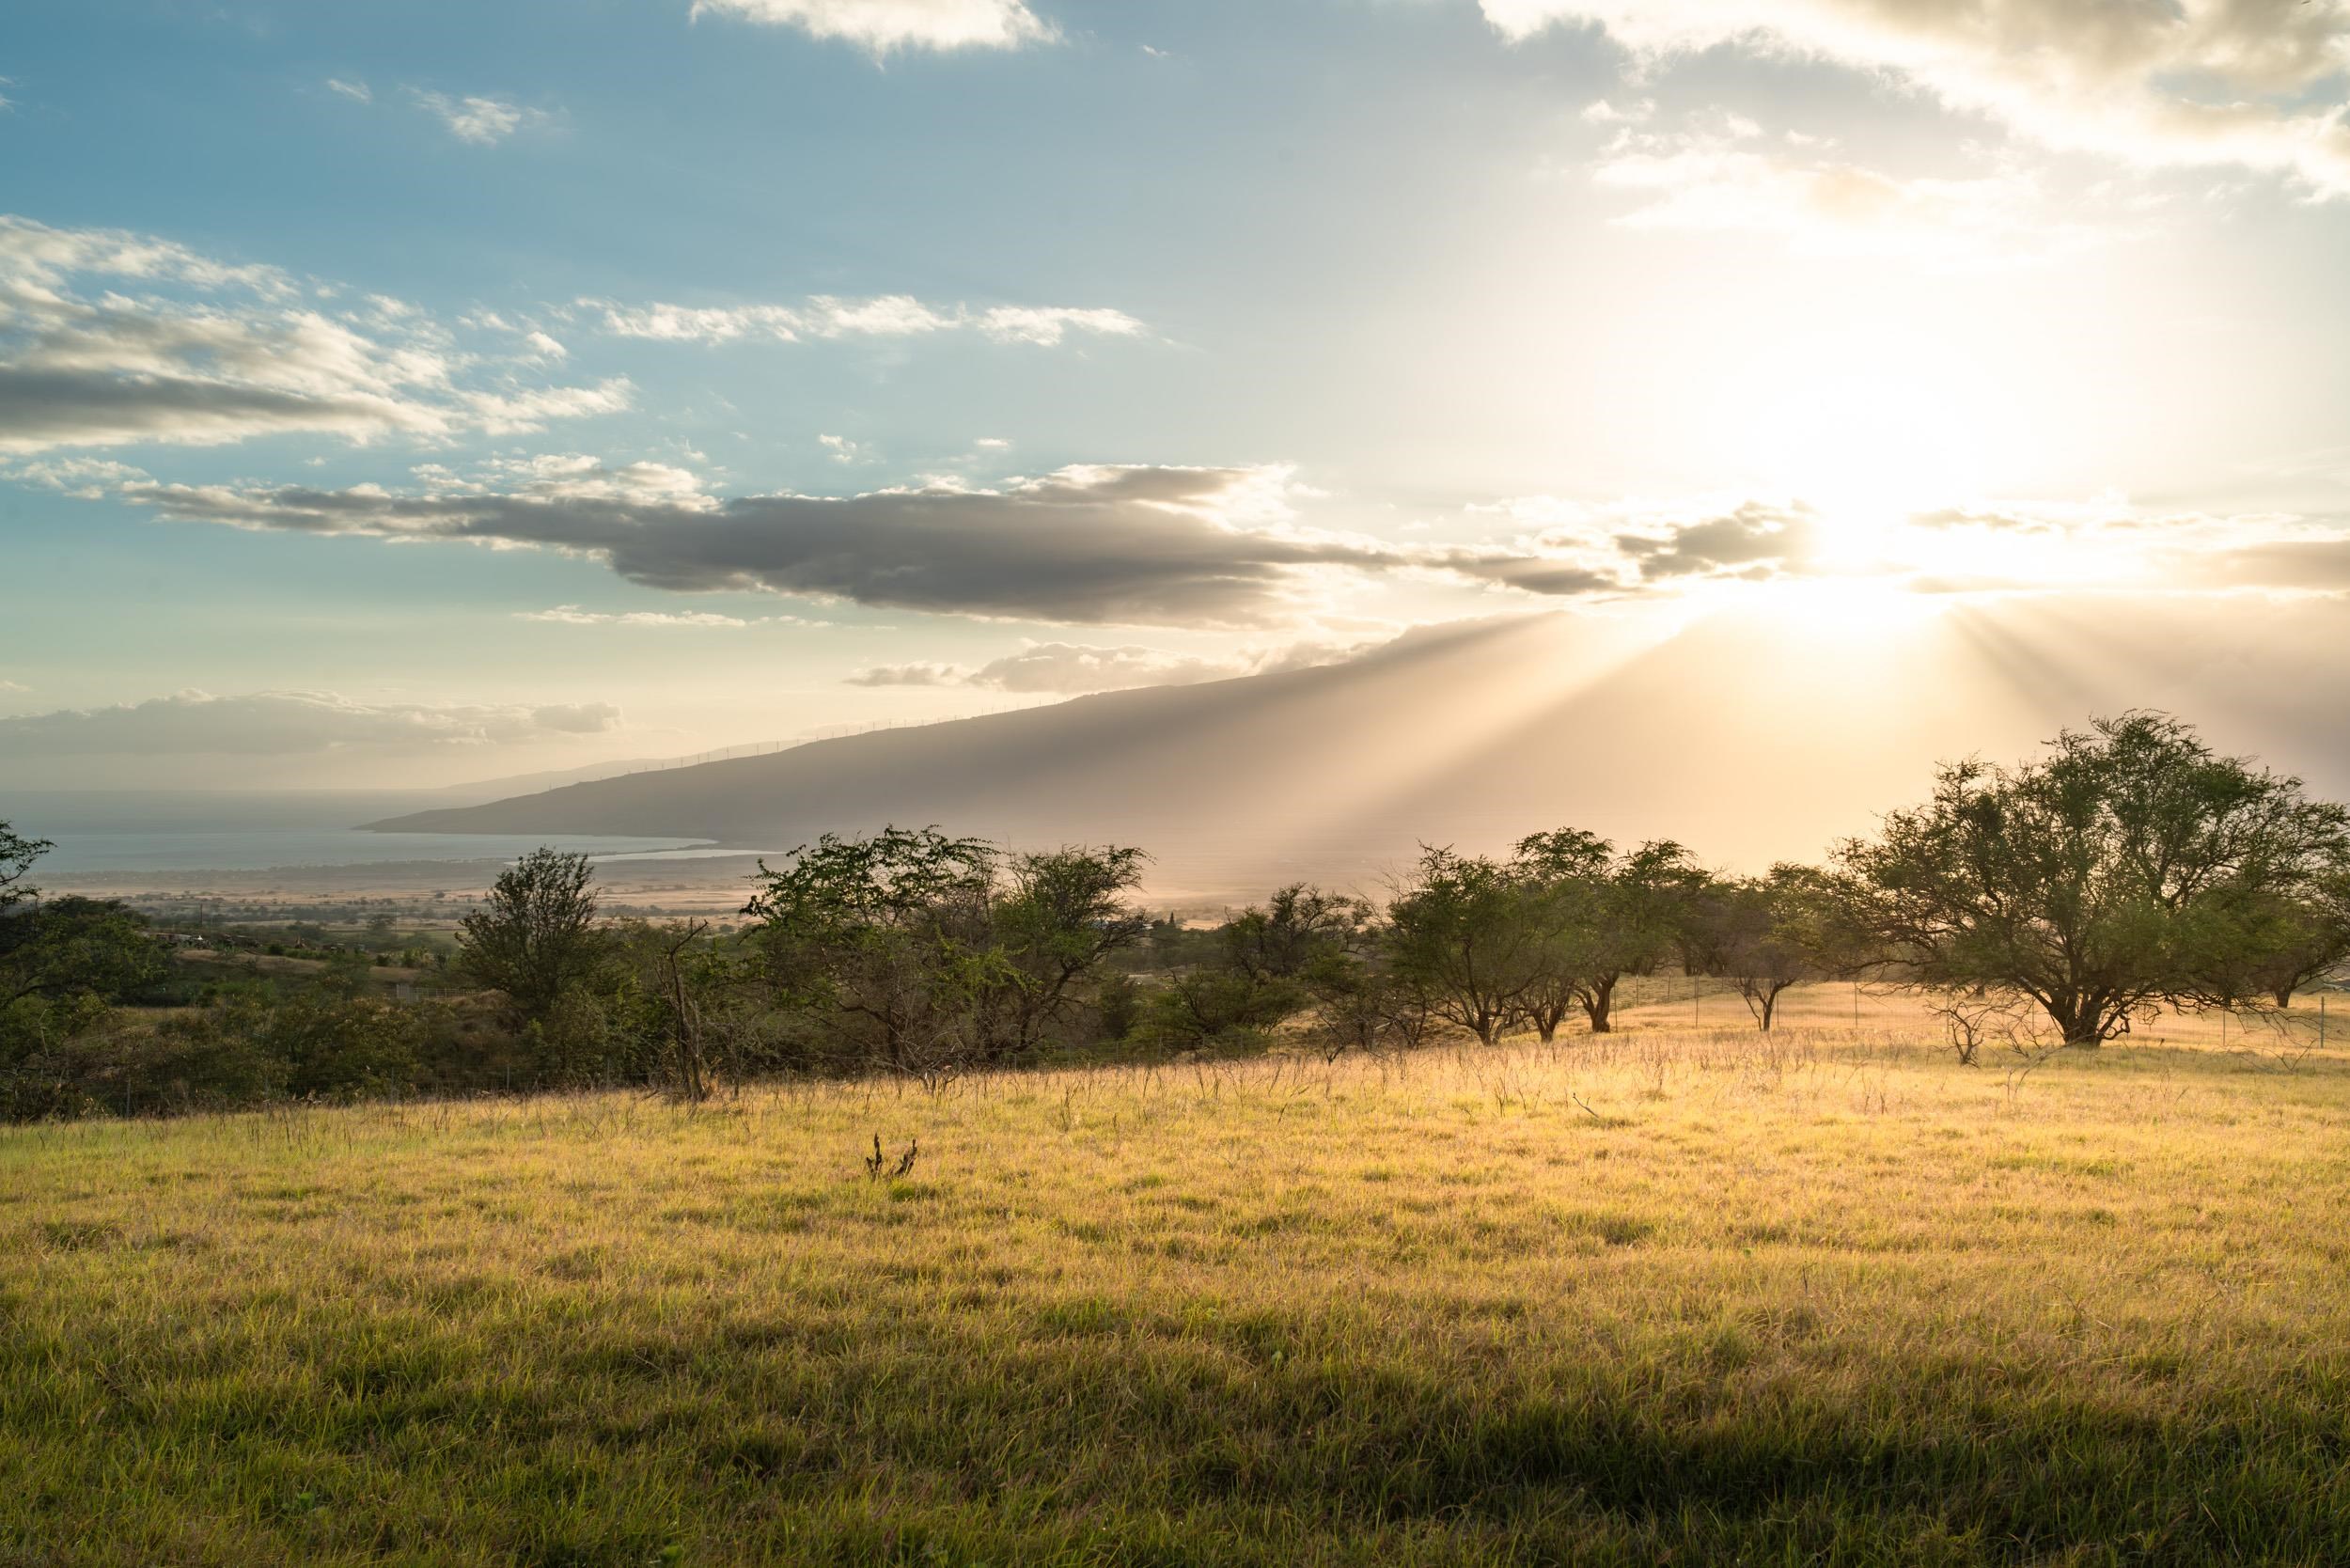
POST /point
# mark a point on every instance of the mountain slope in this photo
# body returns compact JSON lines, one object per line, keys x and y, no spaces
{"x":1749,"y":737}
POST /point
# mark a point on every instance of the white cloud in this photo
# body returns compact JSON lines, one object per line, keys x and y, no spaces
{"x":1733,"y":180}
{"x":84,"y":478}
{"x":841,"y":448}
{"x":2251,"y":83}
{"x":205,"y":352}
{"x":884,"y":25}
{"x":1047,"y":327}
{"x":571,"y":614}
{"x":521,"y":411}
{"x":288,"y":722}
{"x":1069,"y":668}
{"x":1606,"y":112}
{"x":482,"y":121}
{"x":829,"y":316}
{"x":358,"y":92}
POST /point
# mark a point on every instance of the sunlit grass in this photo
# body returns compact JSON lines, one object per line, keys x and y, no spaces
{"x":1826,"y":1296}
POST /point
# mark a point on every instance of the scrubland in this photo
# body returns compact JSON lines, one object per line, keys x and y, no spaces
{"x":1687,"y":1294}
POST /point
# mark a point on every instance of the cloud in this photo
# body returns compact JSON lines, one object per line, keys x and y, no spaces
{"x":829,"y":316}
{"x":1155,"y":545}
{"x":1047,"y":327}
{"x":2249,"y":83}
{"x":1577,"y":550}
{"x":1756,"y":538}
{"x":272,"y":724}
{"x":2102,"y":543}
{"x":358,"y":92}
{"x":1732,"y":180}
{"x":1068,"y":668}
{"x":841,"y":447}
{"x":884,"y":25}
{"x":84,"y":478}
{"x":482,"y":121}
{"x":206,"y":352}
{"x":571,"y":614}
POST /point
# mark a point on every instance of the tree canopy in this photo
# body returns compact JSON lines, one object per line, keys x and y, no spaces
{"x":537,"y":935}
{"x":2130,"y":867}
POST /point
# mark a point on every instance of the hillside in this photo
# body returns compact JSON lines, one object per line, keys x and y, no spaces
{"x":1749,"y":738}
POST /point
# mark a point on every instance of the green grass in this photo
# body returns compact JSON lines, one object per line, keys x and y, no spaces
{"x":1668,"y":1297}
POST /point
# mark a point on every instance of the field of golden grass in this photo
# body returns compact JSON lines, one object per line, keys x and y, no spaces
{"x":1679,"y":1295}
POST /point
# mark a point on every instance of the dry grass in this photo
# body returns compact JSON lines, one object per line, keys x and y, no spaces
{"x":1690,"y":1297}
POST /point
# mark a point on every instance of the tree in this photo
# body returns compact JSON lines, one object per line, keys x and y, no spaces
{"x":1767,"y":934}
{"x":538,"y":936}
{"x":2129,"y":868}
{"x":1299,"y":926}
{"x":927,"y":953}
{"x":1461,"y":930}
{"x":2302,"y":938}
{"x":1361,"y":1006}
{"x":17,"y":854}
{"x":1269,"y":964}
{"x":1603,"y":916}
{"x":1064,"y":915}
{"x":75,"y":947}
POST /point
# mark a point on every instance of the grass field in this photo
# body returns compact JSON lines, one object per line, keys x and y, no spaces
{"x":1677,"y":1295}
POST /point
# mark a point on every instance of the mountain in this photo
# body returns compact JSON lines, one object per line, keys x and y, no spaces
{"x":1749,"y":736}
{"x":481,"y":791}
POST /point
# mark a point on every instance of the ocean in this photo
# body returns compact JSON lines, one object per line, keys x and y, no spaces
{"x":97,"y":831}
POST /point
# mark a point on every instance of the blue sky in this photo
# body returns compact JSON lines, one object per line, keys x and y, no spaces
{"x":525,"y":363}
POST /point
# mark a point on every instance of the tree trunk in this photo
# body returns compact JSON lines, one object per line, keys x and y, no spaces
{"x":2284,"y":995}
{"x":2082,"y":1026}
{"x":1595,"y":1004}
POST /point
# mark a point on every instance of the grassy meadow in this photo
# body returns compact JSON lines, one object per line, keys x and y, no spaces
{"x":1681,"y":1294}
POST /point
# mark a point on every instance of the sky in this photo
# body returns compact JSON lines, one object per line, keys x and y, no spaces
{"x":399,"y":393}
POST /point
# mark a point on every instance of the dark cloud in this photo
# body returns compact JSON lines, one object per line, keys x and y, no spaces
{"x":41,"y":409}
{"x":1163,"y":545}
{"x":1773,"y":539}
{"x":1756,"y":540}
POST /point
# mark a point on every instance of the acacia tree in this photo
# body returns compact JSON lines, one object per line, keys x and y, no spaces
{"x":1063,"y":915}
{"x":1767,"y":934}
{"x":17,"y":854}
{"x":75,"y":947}
{"x":2302,"y":939}
{"x":537,"y":936}
{"x":1603,"y":916}
{"x":1462,"y":932}
{"x":1270,"y":962}
{"x":929,"y":954}
{"x":2131,"y":867}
